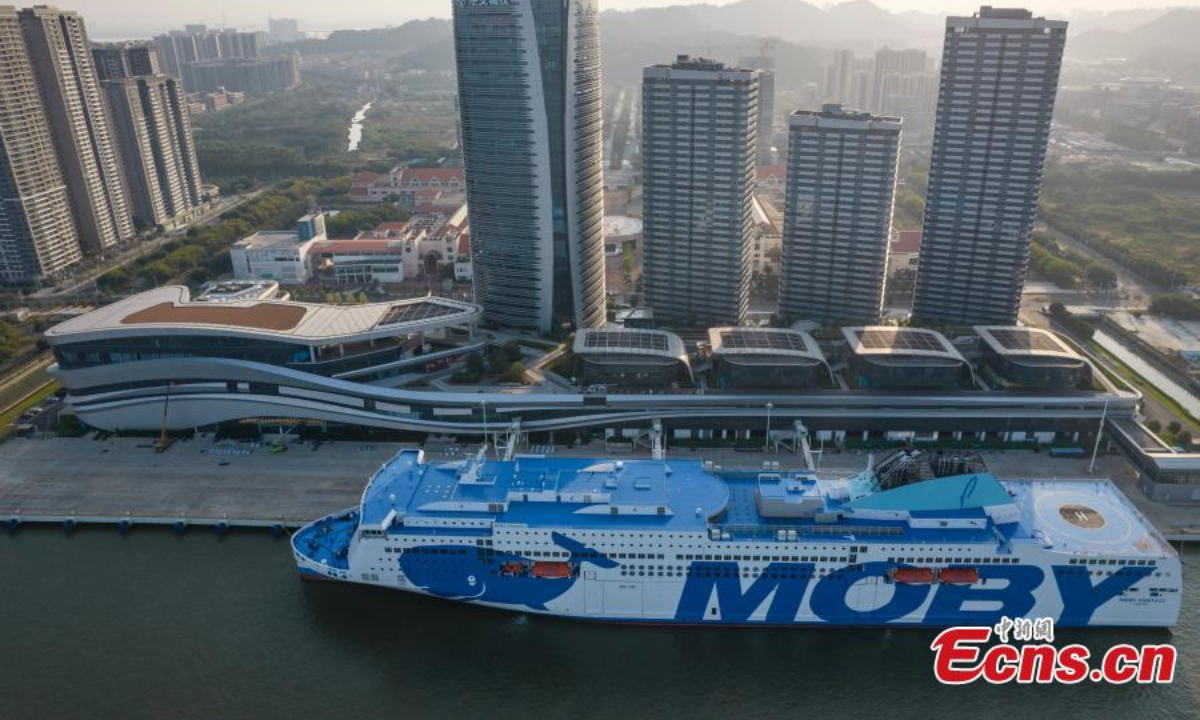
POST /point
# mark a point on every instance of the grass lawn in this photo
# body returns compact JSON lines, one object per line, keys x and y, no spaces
{"x":9,"y":416}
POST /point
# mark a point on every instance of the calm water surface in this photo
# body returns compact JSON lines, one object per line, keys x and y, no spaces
{"x":95,"y":625}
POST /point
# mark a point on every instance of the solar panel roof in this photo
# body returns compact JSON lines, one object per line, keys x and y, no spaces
{"x":603,"y":340}
{"x":414,"y":312}
{"x":753,"y":340}
{"x":900,"y":339}
{"x":1025,"y":339}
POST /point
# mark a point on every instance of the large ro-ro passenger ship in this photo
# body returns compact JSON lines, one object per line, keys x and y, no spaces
{"x":673,"y":541}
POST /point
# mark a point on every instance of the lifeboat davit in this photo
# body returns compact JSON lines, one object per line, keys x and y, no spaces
{"x":552,"y":570}
{"x":913,"y":575}
{"x":958,"y":576}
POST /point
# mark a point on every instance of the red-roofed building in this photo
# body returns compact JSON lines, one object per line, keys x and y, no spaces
{"x":453,"y":178}
{"x":906,"y":242}
{"x":390,"y":229}
{"x":360,"y":186}
{"x":361,"y":261}
{"x":904,"y":250}
{"x":771,"y":177}
{"x":410,"y":186}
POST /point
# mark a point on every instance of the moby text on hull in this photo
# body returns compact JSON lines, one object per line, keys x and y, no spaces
{"x":674,"y":542}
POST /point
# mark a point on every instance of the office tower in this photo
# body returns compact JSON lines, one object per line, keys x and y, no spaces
{"x":839,"y":77}
{"x":999,"y":78}
{"x":115,"y":60}
{"x":62,"y":60}
{"x":766,"y":102}
{"x":529,"y":94}
{"x":838,"y":219}
{"x":699,"y":126}
{"x":890,"y":64}
{"x":154,"y":139}
{"x":37,"y":232}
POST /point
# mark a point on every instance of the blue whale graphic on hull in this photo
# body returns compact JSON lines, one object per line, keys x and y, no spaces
{"x":474,"y":573}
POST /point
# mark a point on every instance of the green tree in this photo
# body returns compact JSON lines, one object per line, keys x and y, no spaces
{"x":10,"y":341}
{"x":1100,"y":276}
{"x":514,"y":374}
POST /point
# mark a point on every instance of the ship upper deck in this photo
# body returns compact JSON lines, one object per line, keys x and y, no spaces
{"x":1086,"y":518}
{"x":1083,"y":517}
{"x":544,"y":492}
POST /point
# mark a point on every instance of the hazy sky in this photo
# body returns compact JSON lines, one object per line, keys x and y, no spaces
{"x":123,"y":17}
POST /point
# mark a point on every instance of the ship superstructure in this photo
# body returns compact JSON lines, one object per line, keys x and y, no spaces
{"x":673,"y":541}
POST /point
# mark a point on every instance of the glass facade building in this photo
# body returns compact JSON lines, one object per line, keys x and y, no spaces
{"x":530,"y":104}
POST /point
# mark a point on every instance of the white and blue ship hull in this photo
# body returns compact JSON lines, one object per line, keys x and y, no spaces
{"x":710,"y":576}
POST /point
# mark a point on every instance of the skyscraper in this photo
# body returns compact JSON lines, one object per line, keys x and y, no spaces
{"x":158,"y":154}
{"x":59,"y":51}
{"x":529,"y":97}
{"x":37,"y":232}
{"x":840,"y":189}
{"x":766,"y":102}
{"x":699,"y":131}
{"x":999,"y":78}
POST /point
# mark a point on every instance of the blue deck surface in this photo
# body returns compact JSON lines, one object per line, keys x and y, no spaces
{"x":688,"y":495}
{"x":679,"y":495}
{"x":327,"y":541}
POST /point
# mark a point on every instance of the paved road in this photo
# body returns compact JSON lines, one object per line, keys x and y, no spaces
{"x":84,"y":282}
{"x":1151,"y":407}
{"x":1133,"y":291}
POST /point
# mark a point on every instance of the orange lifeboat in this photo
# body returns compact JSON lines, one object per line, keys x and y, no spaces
{"x":512,"y":568}
{"x":913,"y":575}
{"x":958,"y":576}
{"x":552,"y":570}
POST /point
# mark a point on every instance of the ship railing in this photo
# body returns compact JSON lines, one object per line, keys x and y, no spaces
{"x":797,"y":532}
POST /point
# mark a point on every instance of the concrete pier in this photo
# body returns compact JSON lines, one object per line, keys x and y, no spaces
{"x":205,"y":483}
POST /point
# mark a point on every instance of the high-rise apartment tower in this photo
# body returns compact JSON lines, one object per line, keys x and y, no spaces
{"x":58,"y":48}
{"x":840,"y":191}
{"x":999,"y":79}
{"x":699,"y":147}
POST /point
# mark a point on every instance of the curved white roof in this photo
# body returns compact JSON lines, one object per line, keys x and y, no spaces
{"x":1024,"y":341}
{"x":171,"y":311}
{"x":629,"y":341}
{"x":763,"y":342}
{"x":891,"y":340}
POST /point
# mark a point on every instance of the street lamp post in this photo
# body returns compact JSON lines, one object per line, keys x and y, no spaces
{"x":483,"y":404}
{"x":1099,"y":434}
{"x":767,"y":439}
